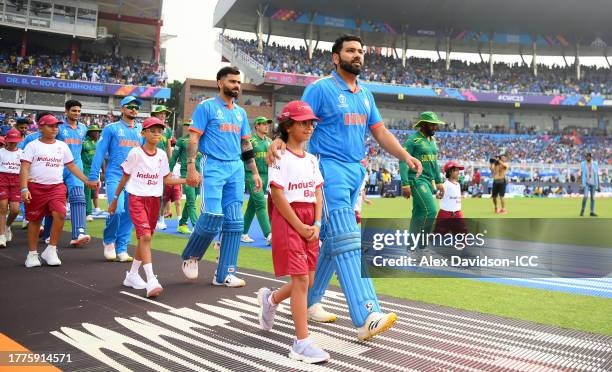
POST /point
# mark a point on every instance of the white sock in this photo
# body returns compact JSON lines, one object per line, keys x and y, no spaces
{"x":52,"y":246}
{"x":270,"y":299}
{"x":135,"y":266}
{"x":32,"y":252}
{"x":148,"y":268}
{"x":299,"y":344}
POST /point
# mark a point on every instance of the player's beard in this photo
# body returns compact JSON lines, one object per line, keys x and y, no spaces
{"x":428,"y":131}
{"x":348,"y":66}
{"x":131,"y":117}
{"x":230,"y":93}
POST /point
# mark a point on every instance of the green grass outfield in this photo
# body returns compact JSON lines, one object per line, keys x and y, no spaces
{"x":566,"y":310}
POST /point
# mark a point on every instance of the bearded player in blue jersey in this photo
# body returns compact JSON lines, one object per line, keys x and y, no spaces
{"x":346,"y":111}
{"x":116,"y":141}
{"x":221,"y":132}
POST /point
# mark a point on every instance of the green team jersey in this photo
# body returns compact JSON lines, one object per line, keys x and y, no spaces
{"x":166,"y":136}
{"x":180,"y":154}
{"x":88,"y":151}
{"x":260,"y":147}
{"x":426,"y":151}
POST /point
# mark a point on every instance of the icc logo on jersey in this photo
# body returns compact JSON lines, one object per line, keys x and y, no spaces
{"x":120,"y":133}
{"x":220,"y":115}
{"x":342,"y":101}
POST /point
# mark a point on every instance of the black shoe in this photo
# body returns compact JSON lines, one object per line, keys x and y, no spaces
{"x":593,"y":215}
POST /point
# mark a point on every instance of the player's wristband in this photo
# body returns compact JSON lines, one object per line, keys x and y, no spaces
{"x":25,"y":189}
{"x":317,"y":224}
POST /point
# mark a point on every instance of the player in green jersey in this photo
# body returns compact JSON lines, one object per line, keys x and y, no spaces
{"x":422,"y":145}
{"x":87,"y":154}
{"x":180,"y":154}
{"x":257,"y":200}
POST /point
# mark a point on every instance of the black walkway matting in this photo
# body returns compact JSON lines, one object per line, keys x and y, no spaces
{"x":81,"y":308}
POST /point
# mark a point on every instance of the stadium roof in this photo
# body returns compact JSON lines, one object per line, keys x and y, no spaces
{"x":558,"y":24}
{"x":130,"y":19}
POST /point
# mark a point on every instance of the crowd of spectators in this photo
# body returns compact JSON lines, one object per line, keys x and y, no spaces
{"x":527,"y":149}
{"x":89,"y":67}
{"x":424,"y":72}
{"x":9,"y":119}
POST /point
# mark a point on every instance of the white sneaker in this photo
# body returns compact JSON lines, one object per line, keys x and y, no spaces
{"x":109,"y":251}
{"x":134,"y":281}
{"x":230,"y":281}
{"x":190,"y":268}
{"x":8,"y":234}
{"x":308,"y":352}
{"x":269,"y":239}
{"x":3,"y":241}
{"x":376,"y":323}
{"x":317,"y":313}
{"x":245,"y":238}
{"x":89,"y":218}
{"x":162,"y":225}
{"x":153,"y":288}
{"x":97,"y":211}
{"x":24,"y":224}
{"x":81,"y":241}
{"x":50,"y":256}
{"x":124,"y":257}
{"x":267,"y":311}
{"x":32,"y":260}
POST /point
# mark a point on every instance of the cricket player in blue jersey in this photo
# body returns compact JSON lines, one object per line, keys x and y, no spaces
{"x":346,"y":111}
{"x":221,"y":132}
{"x":73,"y":134}
{"x":116,"y":140}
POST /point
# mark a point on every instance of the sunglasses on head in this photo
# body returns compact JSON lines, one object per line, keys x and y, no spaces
{"x":132,"y":107}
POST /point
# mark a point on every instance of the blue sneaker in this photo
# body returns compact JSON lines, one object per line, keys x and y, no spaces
{"x":267,"y":311}
{"x":308,"y":352}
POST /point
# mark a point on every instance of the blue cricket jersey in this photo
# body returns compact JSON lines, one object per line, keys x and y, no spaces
{"x":222,"y":127}
{"x":29,"y":138}
{"x":74,"y":138}
{"x":116,"y":141}
{"x":344,"y":117}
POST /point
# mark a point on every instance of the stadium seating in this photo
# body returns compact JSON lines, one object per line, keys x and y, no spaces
{"x":93,"y":68}
{"x":425,"y":72}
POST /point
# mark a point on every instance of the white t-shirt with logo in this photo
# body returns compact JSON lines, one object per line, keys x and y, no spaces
{"x":10,"y":161}
{"x":298,"y":176}
{"x":47,"y":161}
{"x":147,"y":172}
{"x":451,"y":201}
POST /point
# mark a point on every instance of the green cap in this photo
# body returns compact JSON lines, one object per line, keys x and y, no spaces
{"x":428,"y":117}
{"x":159,"y":108}
{"x":93,"y":128}
{"x":262,"y":119}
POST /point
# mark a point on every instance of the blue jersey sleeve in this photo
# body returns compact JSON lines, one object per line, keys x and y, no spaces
{"x":374,"y":118}
{"x":200,"y":118}
{"x":29,"y":138}
{"x":245,"y":130}
{"x":313,"y":98}
{"x":101,"y":150}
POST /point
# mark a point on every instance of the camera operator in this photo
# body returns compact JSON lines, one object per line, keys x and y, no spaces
{"x":499,"y":167}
